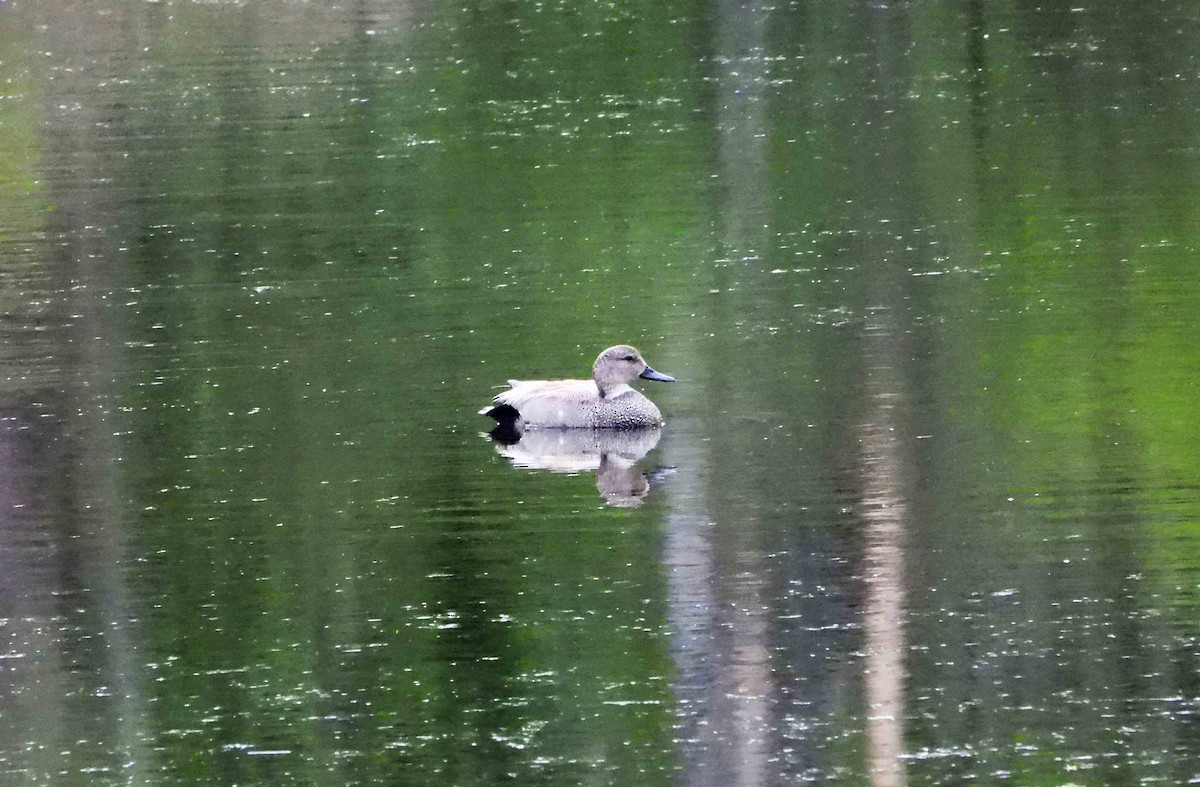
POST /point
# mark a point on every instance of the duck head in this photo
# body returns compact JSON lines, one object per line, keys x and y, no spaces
{"x":622,"y":365}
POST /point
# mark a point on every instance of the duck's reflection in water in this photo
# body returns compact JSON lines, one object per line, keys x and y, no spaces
{"x":612,"y":454}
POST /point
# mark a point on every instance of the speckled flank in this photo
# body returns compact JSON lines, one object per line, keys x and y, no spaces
{"x":630,"y":410}
{"x":574,"y":404}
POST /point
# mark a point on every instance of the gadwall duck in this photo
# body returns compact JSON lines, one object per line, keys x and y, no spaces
{"x":604,"y":402}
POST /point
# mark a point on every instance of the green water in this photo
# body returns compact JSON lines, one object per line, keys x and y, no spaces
{"x":926,"y":508}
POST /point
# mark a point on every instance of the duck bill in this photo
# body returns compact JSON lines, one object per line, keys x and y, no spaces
{"x":650,"y":374}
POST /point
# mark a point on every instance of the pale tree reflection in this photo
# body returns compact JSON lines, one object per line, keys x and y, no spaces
{"x":883,"y":513}
{"x":721,"y":627}
{"x":884,"y":171}
{"x":719,"y":613}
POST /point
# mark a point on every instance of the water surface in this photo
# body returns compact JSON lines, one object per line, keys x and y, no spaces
{"x":925,"y":509}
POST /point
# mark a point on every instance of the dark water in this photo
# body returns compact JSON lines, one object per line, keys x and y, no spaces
{"x":926,"y":508}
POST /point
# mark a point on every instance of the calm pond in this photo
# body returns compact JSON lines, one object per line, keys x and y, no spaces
{"x":926,"y":506}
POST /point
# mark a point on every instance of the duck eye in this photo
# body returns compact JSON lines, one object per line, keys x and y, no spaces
{"x":629,"y":358}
